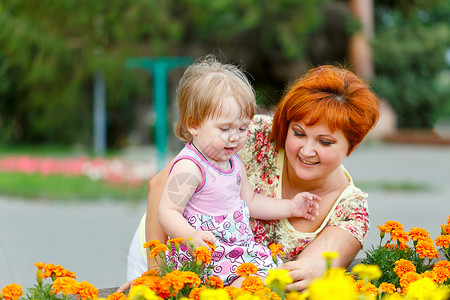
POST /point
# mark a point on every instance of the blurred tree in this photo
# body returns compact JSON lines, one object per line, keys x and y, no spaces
{"x":51,"y":49}
{"x":412,"y":39}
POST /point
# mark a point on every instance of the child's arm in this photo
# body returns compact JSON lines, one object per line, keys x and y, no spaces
{"x":263,"y":207}
{"x":181,"y":184}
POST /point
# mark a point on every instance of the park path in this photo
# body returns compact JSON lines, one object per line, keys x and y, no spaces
{"x":92,"y":239}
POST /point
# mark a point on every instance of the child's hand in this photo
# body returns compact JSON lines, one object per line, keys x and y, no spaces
{"x":199,"y":238}
{"x":305,"y":205}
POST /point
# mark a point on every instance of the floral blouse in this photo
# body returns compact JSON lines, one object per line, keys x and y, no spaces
{"x":264,"y":169}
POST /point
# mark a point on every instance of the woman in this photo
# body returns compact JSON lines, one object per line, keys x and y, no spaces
{"x":320,"y":120}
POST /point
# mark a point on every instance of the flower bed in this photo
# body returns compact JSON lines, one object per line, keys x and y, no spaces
{"x":110,"y":170}
{"x":393,"y":270}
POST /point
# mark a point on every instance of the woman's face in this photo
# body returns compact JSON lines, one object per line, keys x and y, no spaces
{"x":314,"y":152}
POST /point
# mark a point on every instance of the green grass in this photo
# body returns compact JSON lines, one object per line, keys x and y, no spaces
{"x":64,"y":188}
{"x":394,"y":186}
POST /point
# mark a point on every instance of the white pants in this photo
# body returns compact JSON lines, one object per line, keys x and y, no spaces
{"x":137,"y":258}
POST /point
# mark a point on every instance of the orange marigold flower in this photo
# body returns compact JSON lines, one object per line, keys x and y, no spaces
{"x":252,"y":284}
{"x":445,"y":229}
{"x":399,"y":235}
{"x":159,"y":248}
{"x":232,"y":291}
{"x":195,"y":292}
{"x":213,"y":248}
{"x":176,"y":240}
{"x":87,"y":290}
{"x":65,"y":285}
{"x":12,"y":291}
{"x":426,"y":249}
{"x":214,"y":282}
{"x":173,"y":281}
{"x":151,"y":244}
{"x":152,"y":282}
{"x":117,"y":296}
{"x":429,"y":274}
{"x":40,"y":265}
{"x":387,"y":288}
{"x":275,"y":249}
{"x":54,"y":271}
{"x":406,"y":279}
{"x":191,"y":279}
{"x":366,"y":288}
{"x":246,"y":269}
{"x":442,"y":270}
{"x":443,"y":241}
{"x":203,"y":255}
{"x":151,"y":272}
{"x":448,"y":220}
{"x":389,"y":226}
{"x":403,"y":266}
{"x":418,"y":234}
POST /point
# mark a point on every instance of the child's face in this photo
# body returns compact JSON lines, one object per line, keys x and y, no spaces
{"x":219,"y":138}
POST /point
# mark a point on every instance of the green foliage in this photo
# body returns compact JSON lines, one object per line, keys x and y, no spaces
{"x":44,"y":292}
{"x":50,"y":51}
{"x":410,"y":48}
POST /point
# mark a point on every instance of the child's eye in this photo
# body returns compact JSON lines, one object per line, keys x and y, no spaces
{"x":242,"y":129}
{"x":225,"y":129}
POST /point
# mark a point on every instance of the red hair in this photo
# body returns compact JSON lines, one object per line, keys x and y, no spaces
{"x":332,"y":95}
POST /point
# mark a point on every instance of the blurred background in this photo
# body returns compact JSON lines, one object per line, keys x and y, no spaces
{"x":87,"y":94}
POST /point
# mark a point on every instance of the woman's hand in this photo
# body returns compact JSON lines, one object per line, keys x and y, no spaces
{"x":303,"y":271}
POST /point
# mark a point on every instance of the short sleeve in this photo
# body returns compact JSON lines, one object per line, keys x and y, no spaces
{"x":352,"y":214}
{"x":259,"y":156}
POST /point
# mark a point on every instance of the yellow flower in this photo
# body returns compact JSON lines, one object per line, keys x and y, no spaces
{"x":247,"y":296}
{"x":294,"y":295}
{"x":141,"y":291}
{"x":246,"y":269}
{"x":330,"y":254}
{"x":425,"y":288}
{"x":278,"y":277}
{"x":334,"y":285}
{"x":212,"y":294}
{"x":367,"y":272}
{"x":12,"y":291}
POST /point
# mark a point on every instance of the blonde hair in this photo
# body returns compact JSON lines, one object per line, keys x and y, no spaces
{"x":201,"y":90}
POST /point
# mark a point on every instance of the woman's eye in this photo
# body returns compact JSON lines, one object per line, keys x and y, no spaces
{"x":326,"y":143}
{"x":296,"y":133}
{"x":225,"y":129}
{"x":243,"y":129}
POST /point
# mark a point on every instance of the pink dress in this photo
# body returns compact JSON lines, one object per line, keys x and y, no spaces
{"x":216,"y":206}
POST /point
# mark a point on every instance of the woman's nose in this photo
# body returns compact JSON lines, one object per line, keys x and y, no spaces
{"x":308,"y":149}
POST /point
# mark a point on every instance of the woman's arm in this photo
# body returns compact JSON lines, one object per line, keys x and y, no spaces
{"x":153,"y":230}
{"x":310,"y":263}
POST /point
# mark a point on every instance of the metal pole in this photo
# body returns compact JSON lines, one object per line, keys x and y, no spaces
{"x":99,"y":114}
